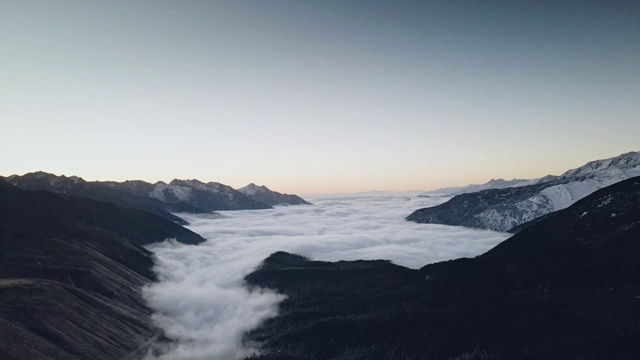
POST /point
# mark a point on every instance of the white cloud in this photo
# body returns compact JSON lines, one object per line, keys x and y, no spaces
{"x":201,"y":302}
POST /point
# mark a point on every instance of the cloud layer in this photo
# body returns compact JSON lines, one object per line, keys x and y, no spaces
{"x":201,"y":302}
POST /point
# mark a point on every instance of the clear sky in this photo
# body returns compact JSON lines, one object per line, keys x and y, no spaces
{"x":312,"y":97}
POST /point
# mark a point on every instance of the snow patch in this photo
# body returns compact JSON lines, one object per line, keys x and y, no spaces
{"x":158,"y":191}
{"x":252,"y":189}
{"x":182,"y":193}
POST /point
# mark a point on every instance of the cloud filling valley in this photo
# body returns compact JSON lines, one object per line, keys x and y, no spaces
{"x":200,"y":300}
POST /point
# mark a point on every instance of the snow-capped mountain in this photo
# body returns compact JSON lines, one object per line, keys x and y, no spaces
{"x":506,"y":208}
{"x":209,"y":196}
{"x":269,"y":197}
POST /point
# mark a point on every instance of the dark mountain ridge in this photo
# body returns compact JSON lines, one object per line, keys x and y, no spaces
{"x":71,"y":272}
{"x":160,"y":198}
{"x":95,"y":190}
{"x":566,"y":287}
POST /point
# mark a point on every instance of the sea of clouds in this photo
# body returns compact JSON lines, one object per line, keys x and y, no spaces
{"x":200,"y":300}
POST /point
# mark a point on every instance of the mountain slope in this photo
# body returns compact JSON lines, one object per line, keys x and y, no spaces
{"x":504,"y":209}
{"x":71,"y":271}
{"x":564,"y":288}
{"x":603,"y":228}
{"x":269,"y":197}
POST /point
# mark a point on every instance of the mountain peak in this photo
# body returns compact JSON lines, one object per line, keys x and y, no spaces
{"x":253,"y":189}
{"x":264,"y":194}
{"x":186,"y":182}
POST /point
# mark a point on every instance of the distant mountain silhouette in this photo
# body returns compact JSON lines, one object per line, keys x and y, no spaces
{"x":269,"y":197}
{"x":506,"y":208}
{"x":565,"y":287}
{"x":491,"y":184}
{"x":71,"y":271}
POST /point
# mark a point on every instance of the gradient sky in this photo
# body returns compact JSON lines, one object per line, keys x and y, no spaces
{"x":313,"y":97}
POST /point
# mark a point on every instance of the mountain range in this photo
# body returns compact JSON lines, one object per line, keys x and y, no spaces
{"x":565,"y":287}
{"x":160,"y":198}
{"x":505,"y":209}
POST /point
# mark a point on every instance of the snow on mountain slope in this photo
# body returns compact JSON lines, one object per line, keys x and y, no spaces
{"x":252,"y":189}
{"x":621,"y":167}
{"x":270,"y":197}
{"x":595,"y":175}
{"x":157,"y":192}
{"x":192,"y":195}
{"x":209,"y":196}
{"x":506,"y":208}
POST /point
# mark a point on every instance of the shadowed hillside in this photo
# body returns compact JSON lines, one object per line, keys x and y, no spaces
{"x":71,"y":271}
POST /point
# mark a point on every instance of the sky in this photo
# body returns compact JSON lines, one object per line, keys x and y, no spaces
{"x":317,"y":97}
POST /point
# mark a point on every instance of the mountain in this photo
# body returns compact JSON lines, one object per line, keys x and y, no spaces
{"x":94,"y":190}
{"x":71,"y":271}
{"x":160,"y":198}
{"x":196,"y":195}
{"x":269,"y":197}
{"x":506,"y":209}
{"x":566,"y":287}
